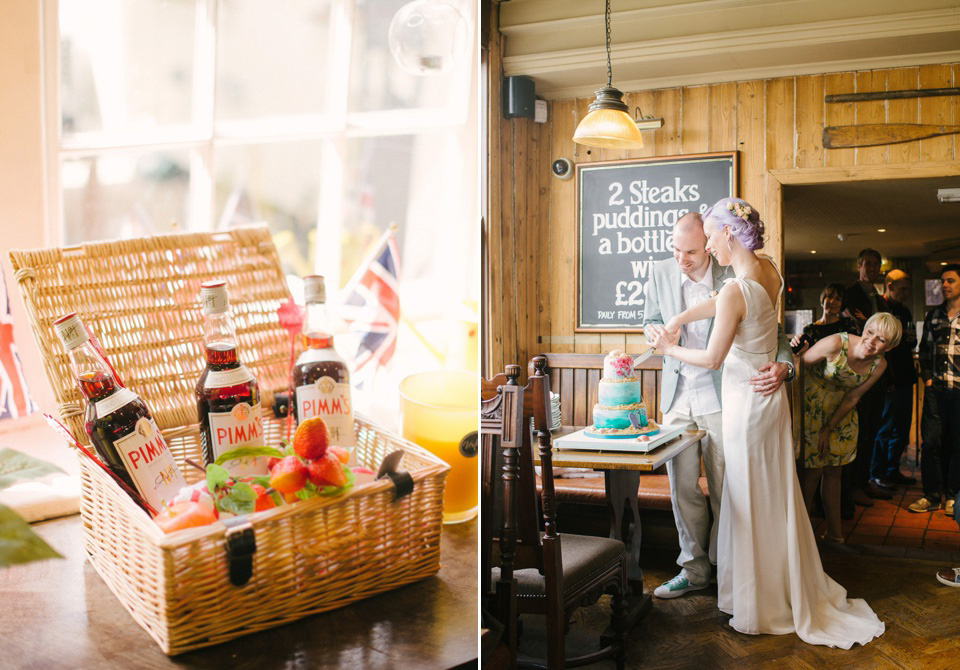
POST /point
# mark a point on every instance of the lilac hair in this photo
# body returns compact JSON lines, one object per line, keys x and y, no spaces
{"x":749,"y":232}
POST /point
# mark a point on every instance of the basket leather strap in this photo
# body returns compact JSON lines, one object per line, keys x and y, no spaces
{"x":241,"y":545}
{"x":402,"y":481}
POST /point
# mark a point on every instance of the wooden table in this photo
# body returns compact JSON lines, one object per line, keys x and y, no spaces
{"x":621,"y":480}
{"x":59,"y":614}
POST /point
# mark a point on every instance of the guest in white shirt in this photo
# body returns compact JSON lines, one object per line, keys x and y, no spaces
{"x":690,"y":396}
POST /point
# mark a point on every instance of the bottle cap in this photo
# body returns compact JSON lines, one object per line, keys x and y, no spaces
{"x":314,"y":290}
{"x":70,"y":330}
{"x":213,"y":297}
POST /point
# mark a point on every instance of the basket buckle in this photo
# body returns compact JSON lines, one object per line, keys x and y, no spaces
{"x":241,"y":546}
{"x":402,"y":481}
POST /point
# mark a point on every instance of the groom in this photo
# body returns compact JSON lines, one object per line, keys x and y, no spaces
{"x":691,"y":395}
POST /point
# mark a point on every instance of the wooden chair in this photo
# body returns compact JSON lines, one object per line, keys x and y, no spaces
{"x":501,"y":416}
{"x":551,"y":574}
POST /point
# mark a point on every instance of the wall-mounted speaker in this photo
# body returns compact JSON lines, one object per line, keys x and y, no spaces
{"x":518,"y":97}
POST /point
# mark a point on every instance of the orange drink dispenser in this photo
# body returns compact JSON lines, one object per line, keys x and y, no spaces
{"x":439,"y":412}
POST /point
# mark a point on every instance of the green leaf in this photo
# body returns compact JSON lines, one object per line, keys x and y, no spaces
{"x":248,"y":452}
{"x":217,"y":476}
{"x":277,"y":498}
{"x":16,"y":466}
{"x":18,"y":542}
{"x":308,"y":491}
{"x":262,"y":480}
{"x":242,"y":499}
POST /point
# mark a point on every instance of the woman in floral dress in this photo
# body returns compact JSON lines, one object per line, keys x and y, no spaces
{"x":840,"y":369}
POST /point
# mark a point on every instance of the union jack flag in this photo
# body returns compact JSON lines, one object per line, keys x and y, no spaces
{"x":371,"y":304}
{"x":15,"y":399}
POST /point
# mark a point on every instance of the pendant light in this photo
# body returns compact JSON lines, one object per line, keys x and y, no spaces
{"x":609,"y":125}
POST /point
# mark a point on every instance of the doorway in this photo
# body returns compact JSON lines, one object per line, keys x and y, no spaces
{"x":825,"y":225}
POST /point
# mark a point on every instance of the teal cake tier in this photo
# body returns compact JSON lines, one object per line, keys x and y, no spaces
{"x":612,"y":394}
{"x":607,"y":419}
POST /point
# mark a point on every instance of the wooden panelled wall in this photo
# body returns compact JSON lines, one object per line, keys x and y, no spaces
{"x":775,"y":124}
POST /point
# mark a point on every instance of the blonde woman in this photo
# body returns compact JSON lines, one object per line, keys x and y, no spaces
{"x":840,"y":369}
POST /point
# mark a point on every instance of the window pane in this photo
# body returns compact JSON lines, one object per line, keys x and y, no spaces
{"x":272,"y":62}
{"x":120,"y":196}
{"x":278,"y":184}
{"x":375,"y":194}
{"x":380,"y":83}
{"x":126,"y":65}
{"x":425,"y":184}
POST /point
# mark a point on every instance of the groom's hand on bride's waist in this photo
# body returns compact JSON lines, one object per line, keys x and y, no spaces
{"x":769,"y":377}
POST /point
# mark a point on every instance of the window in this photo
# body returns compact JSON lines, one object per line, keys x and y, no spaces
{"x":205,"y":114}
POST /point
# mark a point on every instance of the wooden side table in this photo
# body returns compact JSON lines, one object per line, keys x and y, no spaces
{"x":621,"y":479}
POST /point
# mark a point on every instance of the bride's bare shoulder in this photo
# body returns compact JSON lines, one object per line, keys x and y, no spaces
{"x":769,"y":272}
{"x":768,"y":267}
{"x":731,"y":295}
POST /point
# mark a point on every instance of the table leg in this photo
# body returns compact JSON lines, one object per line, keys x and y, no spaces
{"x":621,"y":490}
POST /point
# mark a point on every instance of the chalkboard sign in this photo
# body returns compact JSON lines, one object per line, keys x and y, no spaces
{"x":626,"y":211}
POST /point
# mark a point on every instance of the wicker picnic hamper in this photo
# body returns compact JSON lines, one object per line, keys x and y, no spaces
{"x":140,"y":297}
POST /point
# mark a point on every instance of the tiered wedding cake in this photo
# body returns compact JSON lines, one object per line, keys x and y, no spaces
{"x":620,"y":410}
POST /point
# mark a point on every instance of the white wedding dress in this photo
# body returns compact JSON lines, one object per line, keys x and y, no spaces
{"x":769,"y":573}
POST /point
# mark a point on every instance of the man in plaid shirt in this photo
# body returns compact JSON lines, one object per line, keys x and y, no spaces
{"x":939,"y":355}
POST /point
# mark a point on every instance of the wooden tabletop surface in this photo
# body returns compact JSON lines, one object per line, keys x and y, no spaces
{"x":619,"y":460}
{"x":59,"y":614}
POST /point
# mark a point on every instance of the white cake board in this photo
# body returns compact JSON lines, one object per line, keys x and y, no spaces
{"x":578,"y":440}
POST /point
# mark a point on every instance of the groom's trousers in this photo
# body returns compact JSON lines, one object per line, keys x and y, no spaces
{"x":698,"y":535}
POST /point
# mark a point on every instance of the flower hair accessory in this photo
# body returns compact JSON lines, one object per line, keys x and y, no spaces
{"x":743,"y":211}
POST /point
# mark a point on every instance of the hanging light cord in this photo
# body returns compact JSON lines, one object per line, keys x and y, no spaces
{"x":609,"y":67}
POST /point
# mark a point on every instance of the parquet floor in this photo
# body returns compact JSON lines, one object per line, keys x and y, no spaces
{"x":922,"y":620}
{"x":890,"y":559}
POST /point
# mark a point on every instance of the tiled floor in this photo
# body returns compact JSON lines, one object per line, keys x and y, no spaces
{"x":889,"y":523}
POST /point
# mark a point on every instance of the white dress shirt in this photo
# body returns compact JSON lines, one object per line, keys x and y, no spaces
{"x":695,"y":389}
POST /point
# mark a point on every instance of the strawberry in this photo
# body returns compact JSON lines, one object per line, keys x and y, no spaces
{"x":289,"y":475}
{"x":264,"y":501}
{"x":327,"y":471}
{"x":340,"y":453}
{"x":312,"y":438}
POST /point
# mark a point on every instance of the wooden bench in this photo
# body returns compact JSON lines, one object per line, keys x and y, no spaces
{"x":575,"y":377}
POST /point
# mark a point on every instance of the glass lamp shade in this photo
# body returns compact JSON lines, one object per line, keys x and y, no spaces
{"x":608,"y":129}
{"x":428,"y":37}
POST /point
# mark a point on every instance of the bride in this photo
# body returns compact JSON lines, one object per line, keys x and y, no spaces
{"x":769,"y":573}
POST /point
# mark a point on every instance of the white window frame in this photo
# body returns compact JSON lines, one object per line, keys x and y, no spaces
{"x":332,"y":127}
{"x":31,"y":204}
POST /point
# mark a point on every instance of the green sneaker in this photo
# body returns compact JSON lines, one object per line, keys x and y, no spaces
{"x":676,"y":587}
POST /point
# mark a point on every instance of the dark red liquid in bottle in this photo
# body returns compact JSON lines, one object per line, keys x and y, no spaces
{"x":106,"y":430}
{"x":222,"y":399}
{"x":313,"y":364}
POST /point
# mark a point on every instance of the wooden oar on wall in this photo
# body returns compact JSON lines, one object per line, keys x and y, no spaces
{"x":873,"y":134}
{"x":891,"y":95}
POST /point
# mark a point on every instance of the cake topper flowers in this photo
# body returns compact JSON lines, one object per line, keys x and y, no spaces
{"x":621,"y":362}
{"x":743,"y":211}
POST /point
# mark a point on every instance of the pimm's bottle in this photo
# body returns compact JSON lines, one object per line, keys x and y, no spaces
{"x":228,"y":396}
{"x":321,"y":379}
{"x":119,"y":423}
